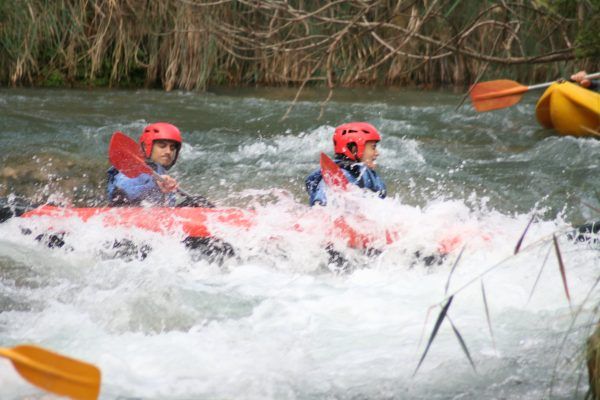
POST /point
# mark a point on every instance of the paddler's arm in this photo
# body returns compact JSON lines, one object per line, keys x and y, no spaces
{"x":377,"y":184}
{"x":315,"y":186}
{"x":136,"y":189}
{"x":579,"y":78}
{"x":167,"y":184}
{"x":368,"y":179}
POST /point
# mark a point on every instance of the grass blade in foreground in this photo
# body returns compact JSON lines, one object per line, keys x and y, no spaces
{"x":453,"y":268}
{"x":54,"y":372}
{"x":561,"y":265}
{"x":520,"y":242}
{"x":436,"y":328}
{"x":487,"y":316}
{"x":537,"y":279}
{"x":463,"y":345}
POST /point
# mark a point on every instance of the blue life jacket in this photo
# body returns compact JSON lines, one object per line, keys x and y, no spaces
{"x":356,"y":173}
{"x":122,"y":190}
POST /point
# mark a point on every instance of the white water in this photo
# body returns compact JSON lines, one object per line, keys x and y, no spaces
{"x":274,"y":323}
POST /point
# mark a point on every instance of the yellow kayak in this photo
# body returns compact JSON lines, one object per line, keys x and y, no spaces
{"x":569,"y":109}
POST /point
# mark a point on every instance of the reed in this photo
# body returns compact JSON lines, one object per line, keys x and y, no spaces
{"x":590,"y":353}
{"x":593,"y":363}
{"x":192,"y":44}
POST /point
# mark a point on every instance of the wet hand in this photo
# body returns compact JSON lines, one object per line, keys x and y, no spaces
{"x":580,"y":79}
{"x":167,"y":184}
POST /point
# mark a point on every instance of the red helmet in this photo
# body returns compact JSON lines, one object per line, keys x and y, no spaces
{"x":159,"y":131}
{"x":354,"y":132}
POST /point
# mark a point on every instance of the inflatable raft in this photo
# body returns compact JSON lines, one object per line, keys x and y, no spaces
{"x":193,"y":221}
{"x":197,"y":222}
{"x":570,"y":110}
{"x":210,"y":229}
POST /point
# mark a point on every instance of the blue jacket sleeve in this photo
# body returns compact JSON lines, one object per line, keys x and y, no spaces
{"x":316,"y":188}
{"x":374,"y":182}
{"x":136,"y":189}
{"x":367,"y":179}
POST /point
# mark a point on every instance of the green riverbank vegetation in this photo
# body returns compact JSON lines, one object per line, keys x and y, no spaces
{"x":194,"y":44}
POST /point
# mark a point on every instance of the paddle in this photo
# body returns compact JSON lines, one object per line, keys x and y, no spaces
{"x":502,"y":93}
{"x":126,"y":156}
{"x":54,"y":372}
{"x":332,"y":173}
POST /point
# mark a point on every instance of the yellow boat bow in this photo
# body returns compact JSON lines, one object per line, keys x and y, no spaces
{"x":570,"y":110}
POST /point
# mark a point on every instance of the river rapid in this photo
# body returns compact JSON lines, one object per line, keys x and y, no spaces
{"x":275,"y":321}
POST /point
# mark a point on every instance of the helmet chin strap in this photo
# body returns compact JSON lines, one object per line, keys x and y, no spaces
{"x":354,"y":150}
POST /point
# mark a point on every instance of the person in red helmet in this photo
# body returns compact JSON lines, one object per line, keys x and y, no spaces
{"x":160,"y":143}
{"x":355,"y":147}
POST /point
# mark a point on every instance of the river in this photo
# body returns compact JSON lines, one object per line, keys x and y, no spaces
{"x":274,"y":321}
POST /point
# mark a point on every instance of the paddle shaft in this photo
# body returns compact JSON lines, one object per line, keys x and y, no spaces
{"x":522,"y":89}
{"x":180,"y":191}
{"x":545,"y":85}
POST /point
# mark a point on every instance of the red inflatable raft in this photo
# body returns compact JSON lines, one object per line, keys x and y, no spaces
{"x":213,"y":222}
{"x":194,"y":222}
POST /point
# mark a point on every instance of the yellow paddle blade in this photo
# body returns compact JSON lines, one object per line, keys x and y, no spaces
{"x":54,"y":372}
{"x":493,"y":95}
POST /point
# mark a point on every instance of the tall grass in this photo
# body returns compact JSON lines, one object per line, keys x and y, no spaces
{"x":593,"y":363}
{"x":190,"y":44}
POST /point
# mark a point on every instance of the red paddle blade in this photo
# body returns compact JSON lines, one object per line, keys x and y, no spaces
{"x":494,"y":95}
{"x":126,"y":156}
{"x":332,"y":174}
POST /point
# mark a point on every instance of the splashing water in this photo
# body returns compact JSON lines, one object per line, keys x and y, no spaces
{"x":277,"y":320}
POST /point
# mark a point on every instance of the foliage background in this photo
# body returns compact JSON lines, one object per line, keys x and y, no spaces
{"x":193,"y":44}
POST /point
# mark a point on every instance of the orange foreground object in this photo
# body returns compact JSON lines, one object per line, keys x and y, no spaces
{"x":54,"y":372}
{"x":494,"y":95}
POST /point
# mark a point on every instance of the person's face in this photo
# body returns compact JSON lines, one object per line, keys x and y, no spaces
{"x":370,"y":154}
{"x":163,"y":152}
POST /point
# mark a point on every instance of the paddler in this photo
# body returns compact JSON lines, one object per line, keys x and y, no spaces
{"x":160,"y":143}
{"x":355,"y":148}
{"x":580,"y":78}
